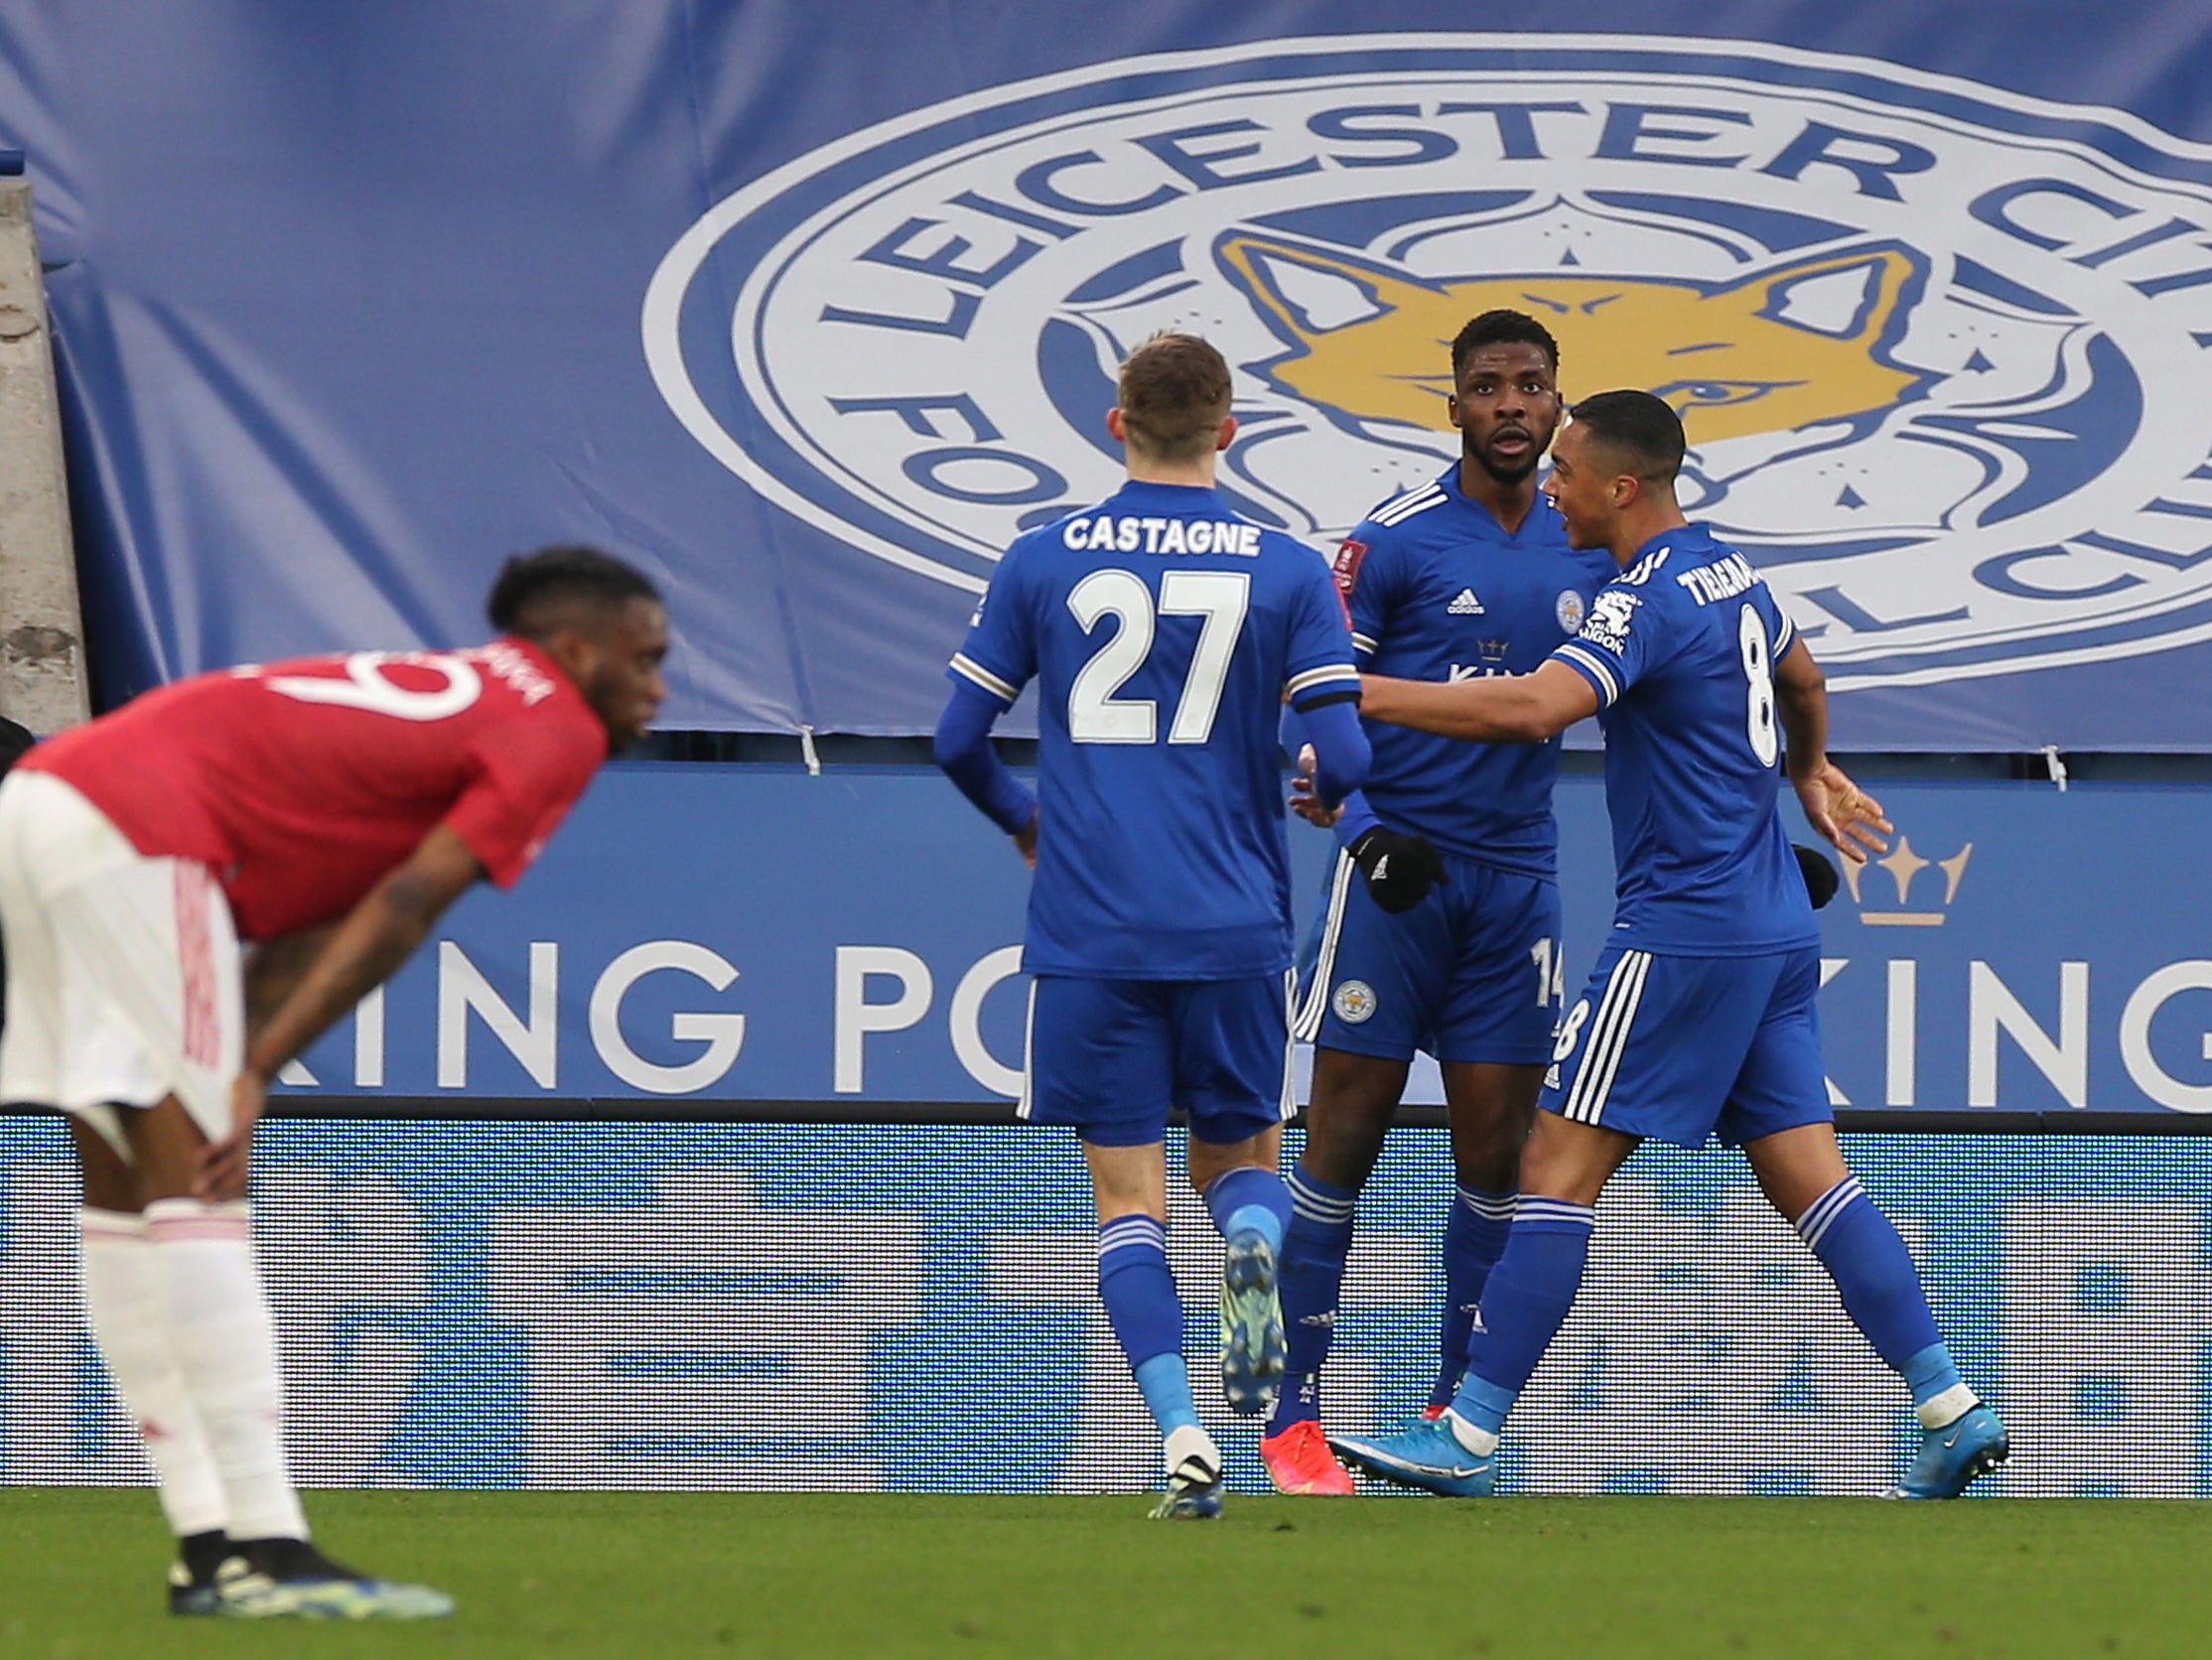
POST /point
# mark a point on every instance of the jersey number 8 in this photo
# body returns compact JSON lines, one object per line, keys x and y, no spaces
{"x":1758,"y":673}
{"x":1095,"y":714}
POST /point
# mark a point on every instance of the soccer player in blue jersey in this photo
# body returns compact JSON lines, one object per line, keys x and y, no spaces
{"x":1699,"y":1016}
{"x":1165,"y":633}
{"x":1467,"y":575}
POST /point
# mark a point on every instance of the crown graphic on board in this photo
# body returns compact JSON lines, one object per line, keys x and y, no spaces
{"x":1902,"y":866}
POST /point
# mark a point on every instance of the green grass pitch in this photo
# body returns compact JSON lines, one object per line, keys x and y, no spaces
{"x":660,"y":1576}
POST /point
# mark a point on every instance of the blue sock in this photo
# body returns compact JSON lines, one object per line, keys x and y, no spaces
{"x":1310,"y":1282}
{"x":1250,"y":1199}
{"x":1930,"y":1374}
{"x":1474,"y":1240}
{"x":1140,"y":1302}
{"x":1524,"y":1306}
{"x":1165,"y":1381}
{"x":1880,"y":1287}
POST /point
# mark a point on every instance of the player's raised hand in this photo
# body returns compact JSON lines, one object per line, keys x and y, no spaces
{"x":1843,"y":813}
{"x":1303,"y":801}
{"x":225,"y":1164}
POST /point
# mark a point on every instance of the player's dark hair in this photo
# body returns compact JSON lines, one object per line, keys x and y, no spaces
{"x":1173,"y":396}
{"x":535,"y":593}
{"x":1641,"y":431}
{"x":1502,"y":328}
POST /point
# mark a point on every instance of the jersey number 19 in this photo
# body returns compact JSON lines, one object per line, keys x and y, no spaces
{"x":1095,"y":714}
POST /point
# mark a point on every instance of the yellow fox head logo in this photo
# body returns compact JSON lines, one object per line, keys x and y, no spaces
{"x":1786,"y":347}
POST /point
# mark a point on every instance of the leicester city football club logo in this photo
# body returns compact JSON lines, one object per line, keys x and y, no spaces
{"x":1354,"y":1000}
{"x":1939,"y":348}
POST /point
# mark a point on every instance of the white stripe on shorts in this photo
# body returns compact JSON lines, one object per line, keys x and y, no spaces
{"x":1609,"y":1038}
{"x":1307,"y":1023}
{"x":1028,"y":1057}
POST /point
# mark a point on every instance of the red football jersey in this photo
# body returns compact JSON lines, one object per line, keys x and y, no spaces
{"x":301,"y":784}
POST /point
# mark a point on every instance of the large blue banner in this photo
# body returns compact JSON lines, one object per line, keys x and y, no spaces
{"x":813,"y":308}
{"x":723,"y":1306}
{"x":701,"y":934}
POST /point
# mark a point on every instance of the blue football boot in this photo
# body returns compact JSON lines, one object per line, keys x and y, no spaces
{"x":192,"y":1577}
{"x":1949,"y":1457}
{"x":1194,"y":1477}
{"x":289,"y":1579}
{"x":1252,"y":1347}
{"x":1427,"y":1457}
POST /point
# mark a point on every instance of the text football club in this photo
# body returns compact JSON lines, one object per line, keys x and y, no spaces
{"x":1936,"y":345}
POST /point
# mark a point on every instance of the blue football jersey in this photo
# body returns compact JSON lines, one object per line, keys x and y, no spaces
{"x":1164,"y":632}
{"x":1681,"y":649}
{"x":1439,"y":590}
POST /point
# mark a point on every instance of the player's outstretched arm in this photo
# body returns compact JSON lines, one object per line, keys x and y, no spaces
{"x":1341,"y":753}
{"x":1835,"y":806}
{"x":360,"y":953}
{"x":962,"y":746}
{"x":1503,"y":709}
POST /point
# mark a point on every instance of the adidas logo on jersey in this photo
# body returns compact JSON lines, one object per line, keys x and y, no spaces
{"x":1467,"y":604}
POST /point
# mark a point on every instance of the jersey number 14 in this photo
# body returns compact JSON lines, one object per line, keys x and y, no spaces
{"x":1218,"y":597}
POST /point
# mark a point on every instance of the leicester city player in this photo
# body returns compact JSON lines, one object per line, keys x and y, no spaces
{"x":1468,"y":576}
{"x":1699,"y":1016}
{"x":1165,"y":633}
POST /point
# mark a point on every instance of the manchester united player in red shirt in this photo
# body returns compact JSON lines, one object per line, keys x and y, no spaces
{"x":333,"y":807}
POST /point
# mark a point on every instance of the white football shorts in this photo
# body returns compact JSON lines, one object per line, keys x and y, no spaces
{"x":123,"y":970}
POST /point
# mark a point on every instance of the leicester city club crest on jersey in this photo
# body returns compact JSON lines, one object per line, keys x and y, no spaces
{"x":1354,"y":1002}
{"x":1939,"y":348}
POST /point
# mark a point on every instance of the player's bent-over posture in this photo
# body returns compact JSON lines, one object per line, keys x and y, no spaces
{"x":262,"y":804}
{"x":1164,"y":632}
{"x":1465,"y":577}
{"x":1700,"y":1014}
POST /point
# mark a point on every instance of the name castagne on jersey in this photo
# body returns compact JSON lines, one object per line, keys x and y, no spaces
{"x":1124,"y":534}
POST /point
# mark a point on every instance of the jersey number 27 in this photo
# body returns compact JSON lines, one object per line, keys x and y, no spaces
{"x":1219,"y":597}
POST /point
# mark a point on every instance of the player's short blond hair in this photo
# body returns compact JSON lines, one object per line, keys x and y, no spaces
{"x":1173,"y":396}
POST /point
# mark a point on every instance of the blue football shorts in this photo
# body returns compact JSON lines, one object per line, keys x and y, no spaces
{"x":1469,"y":974}
{"x":1112,"y":1057}
{"x":1679,"y":1048}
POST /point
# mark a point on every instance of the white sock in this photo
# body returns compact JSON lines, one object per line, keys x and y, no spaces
{"x":1191,"y":1441}
{"x":123,"y":1297}
{"x":225,"y":1346}
{"x":1939,"y":1412}
{"x":1476,"y":1439}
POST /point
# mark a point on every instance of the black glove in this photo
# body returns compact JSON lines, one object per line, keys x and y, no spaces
{"x":1399,"y":870}
{"x":1819,"y":872}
